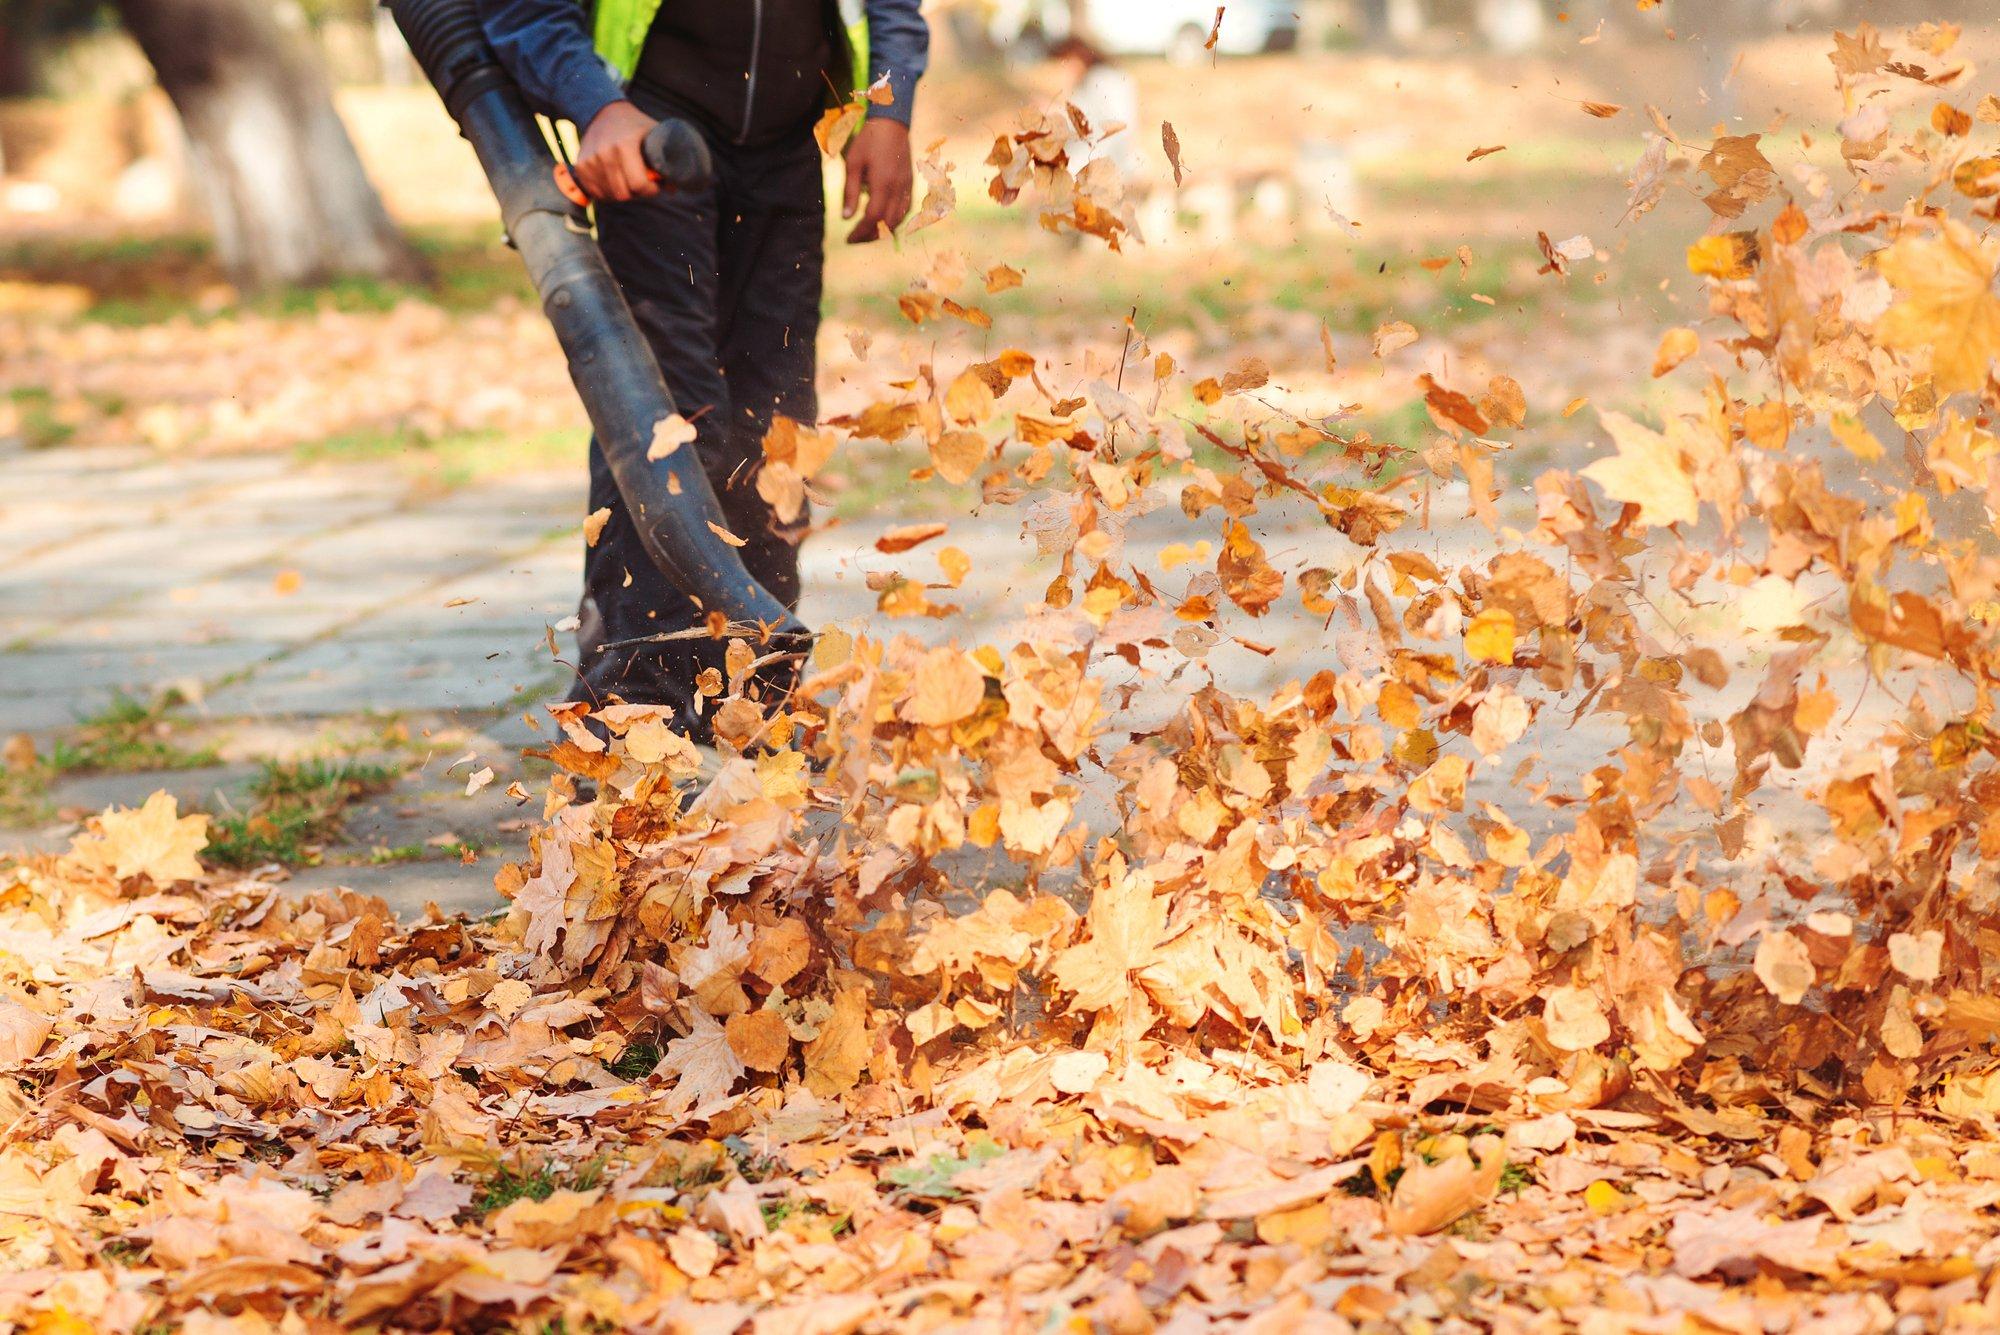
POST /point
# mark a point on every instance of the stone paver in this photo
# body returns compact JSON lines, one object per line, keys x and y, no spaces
{"x":211,"y":788}
{"x":275,"y":594}
{"x":408,"y":887}
{"x":277,"y":589}
{"x":359,"y":669}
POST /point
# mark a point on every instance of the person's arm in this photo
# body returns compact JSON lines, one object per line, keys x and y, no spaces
{"x":546,"y":46}
{"x":878,"y":157}
{"x":899,"y":44}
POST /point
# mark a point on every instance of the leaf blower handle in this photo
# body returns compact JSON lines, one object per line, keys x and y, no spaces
{"x":675,"y":154}
{"x":679,"y":156}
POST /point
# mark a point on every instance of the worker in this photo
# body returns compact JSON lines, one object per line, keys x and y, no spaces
{"x":1108,"y":97}
{"x":724,"y":280}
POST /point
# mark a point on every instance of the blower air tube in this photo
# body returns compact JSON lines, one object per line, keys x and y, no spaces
{"x":669,"y":499}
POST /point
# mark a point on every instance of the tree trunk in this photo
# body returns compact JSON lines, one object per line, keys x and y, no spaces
{"x":287,"y":192}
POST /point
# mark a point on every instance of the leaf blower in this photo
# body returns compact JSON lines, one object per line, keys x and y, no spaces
{"x":669,"y":498}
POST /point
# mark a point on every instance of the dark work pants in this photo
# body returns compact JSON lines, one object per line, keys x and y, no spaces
{"x":725,"y":282}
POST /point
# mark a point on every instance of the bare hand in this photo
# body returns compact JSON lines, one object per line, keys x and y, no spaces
{"x":611,"y":162}
{"x":878,"y":165}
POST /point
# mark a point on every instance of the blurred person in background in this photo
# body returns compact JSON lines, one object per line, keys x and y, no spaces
{"x":1108,"y":97}
{"x":725,"y":279}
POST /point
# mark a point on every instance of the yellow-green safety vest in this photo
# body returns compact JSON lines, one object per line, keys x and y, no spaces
{"x":620,"y":27}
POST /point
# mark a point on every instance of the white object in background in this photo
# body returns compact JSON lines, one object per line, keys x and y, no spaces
{"x":148,"y":189}
{"x":30,"y":197}
{"x":1511,"y":27}
{"x":1407,"y":21}
{"x":1108,"y":97}
{"x":1179,"y":29}
{"x":1329,"y":191}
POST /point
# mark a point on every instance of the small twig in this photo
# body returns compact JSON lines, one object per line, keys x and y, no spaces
{"x":737,"y":628}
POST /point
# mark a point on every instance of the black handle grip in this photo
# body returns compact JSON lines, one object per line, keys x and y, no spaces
{"x":677,"y":153}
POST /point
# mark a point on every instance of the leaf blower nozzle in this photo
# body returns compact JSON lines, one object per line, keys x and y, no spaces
{"x":670,"y":498}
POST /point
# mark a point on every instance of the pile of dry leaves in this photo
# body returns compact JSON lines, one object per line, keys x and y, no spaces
{"x":982,"y":987}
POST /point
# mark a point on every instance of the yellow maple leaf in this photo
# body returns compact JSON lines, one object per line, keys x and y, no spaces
{"x":700,"y":1069}
{"x":1126,"y":922}
{"x":1676,"y":346}
{"x":1648,"y":471}
{"x":1945,"y":302}
{"x":949,"y":686}
{"x":154,"y":841}
{"x":958,"y":455}
{"x":782,"y":777}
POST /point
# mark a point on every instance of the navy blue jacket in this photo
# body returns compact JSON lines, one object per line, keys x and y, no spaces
{"x":546,"y":45}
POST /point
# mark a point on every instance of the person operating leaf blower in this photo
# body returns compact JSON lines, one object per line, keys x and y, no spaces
{"x":724,"y":279}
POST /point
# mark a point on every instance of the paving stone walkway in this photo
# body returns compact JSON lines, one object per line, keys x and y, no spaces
{"x":307,"y":610}
{"x":337,"y":609}
{"x":298,"y":608}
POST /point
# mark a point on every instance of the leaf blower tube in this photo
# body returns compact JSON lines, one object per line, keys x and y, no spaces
{"x":670,"y":498}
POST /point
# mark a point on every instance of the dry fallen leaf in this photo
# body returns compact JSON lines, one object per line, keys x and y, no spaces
{"x":1676,"y":346}
{"x":949,"y":687}
{"x":1784,"y":966}
{"x":669,"y":434}
{"x":1648,"y":470}
{"x":1393,"y":336}
{"x":957,"y":455}
{"x":1430,"y":1196}
{"x":906,"y":536}
{"x":1945,"y":303}
{"x":1172,"y":143}
{"x":154,"y":841}
{"x":1077,"y":972}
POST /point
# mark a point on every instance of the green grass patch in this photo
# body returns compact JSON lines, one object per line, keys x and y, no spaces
{"x":124,"y":1251}
{"x":24,"y":796}
{"x":298,"y":808}
{"x":807,"y":1216}
{"x":135,"y":280}
{"x":386,"y":857}
{"x":127,"y":736}
{"x":33,"y":417}
{"x":932,"y":1178}
{"x":637,"y":1061}
{"x":454,"y":460}
{"x":130,"y":736}
{"x":508,"y":1183}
